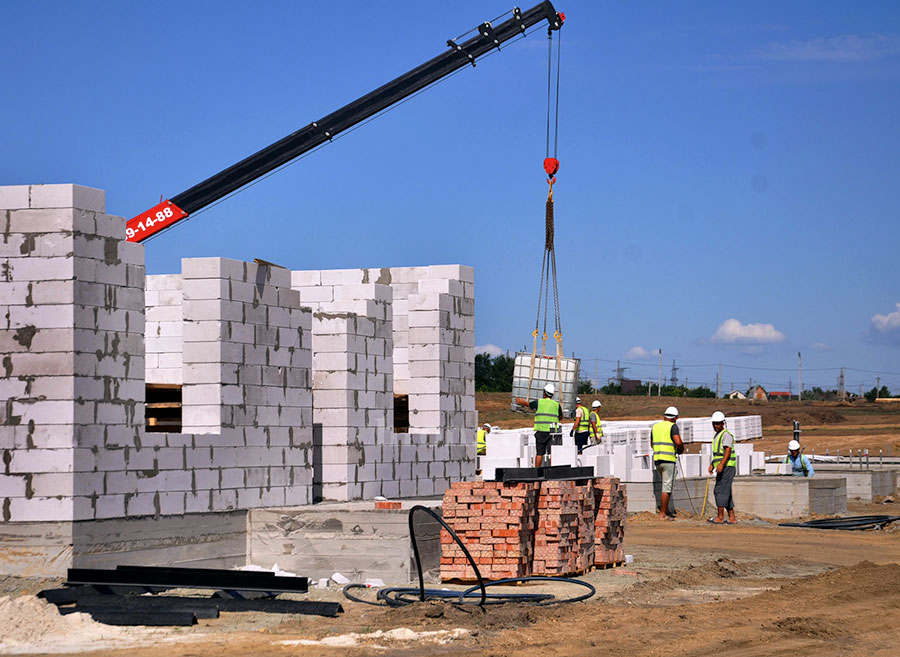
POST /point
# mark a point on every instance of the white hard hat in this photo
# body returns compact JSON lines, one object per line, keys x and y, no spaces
{"x":671,"y":412}
{"x":793,"y":445}
{"x":578,"y":400}
{"x":486,"y":425}
{"x":718,"y":416}
{"x":596,"y":404}
{"x":550,"y":389}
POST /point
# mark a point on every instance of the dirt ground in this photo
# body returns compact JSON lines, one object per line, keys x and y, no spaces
{"x":825,"y":426}
{"x":751,"y":589}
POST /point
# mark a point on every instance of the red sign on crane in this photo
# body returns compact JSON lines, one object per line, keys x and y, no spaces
{"x":152,"y":221}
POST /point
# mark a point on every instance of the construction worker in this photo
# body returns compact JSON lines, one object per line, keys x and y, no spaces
{"x":800,"y":465}
{"x":581,"y":430}
{"x":481,"y":438}
{"x":547,"y":416}
{"x":724,"y":462}
{"x":596,"y":429}
{"x":667,"y":445}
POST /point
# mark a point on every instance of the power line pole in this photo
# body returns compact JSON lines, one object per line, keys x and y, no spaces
{"x":719,"y":382}
{"x":877,"y":386}
{"x":790,"y":388}
{"x":799,"y":377}
{"x":841,"y":390}
{"x":674,"y":379}
{"x":659,"y":380}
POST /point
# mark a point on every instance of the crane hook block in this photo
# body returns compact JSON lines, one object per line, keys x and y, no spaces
{"x":551,"y":166}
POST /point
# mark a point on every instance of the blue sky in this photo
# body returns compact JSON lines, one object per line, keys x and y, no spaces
{"x":728,"y":189}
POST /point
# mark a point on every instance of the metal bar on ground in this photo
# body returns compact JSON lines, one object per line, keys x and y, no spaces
{"x":189,"y":578}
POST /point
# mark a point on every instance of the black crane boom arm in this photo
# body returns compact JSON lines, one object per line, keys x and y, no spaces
{"x":316,"y":133}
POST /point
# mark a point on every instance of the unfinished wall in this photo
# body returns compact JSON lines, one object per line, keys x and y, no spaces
{"x":361,"y":340}
{"x":72,"y":431}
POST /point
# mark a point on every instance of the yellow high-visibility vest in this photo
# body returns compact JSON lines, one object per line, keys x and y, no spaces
{"x":584,"y":425}
{"x":663,"y":445}
{"x":547,"y":415}
{"x":595,"y":419}
{"x":719,"y":450}
{"x":480,"y":441}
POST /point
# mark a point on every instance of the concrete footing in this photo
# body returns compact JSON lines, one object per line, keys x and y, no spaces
{"x":350,"y":538}
{"x":48,"y":549}
{"x":863,"y":484}
{"x":769,"y":497}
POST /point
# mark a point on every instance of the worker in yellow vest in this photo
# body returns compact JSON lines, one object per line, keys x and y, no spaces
{"x":667,"y":445}
{"x":724,"y":462}
{"x":547,"y":417}
{"x":481,"y":438}
{"x":581,"y":430}
{"x":596,"y":429}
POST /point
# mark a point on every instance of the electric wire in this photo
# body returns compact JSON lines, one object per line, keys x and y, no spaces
{"x":400,"y":596}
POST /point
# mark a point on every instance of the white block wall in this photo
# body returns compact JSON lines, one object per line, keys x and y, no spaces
{"x":164,"y":328}
{"x":366,"y":312}
{"x":72,"y":429}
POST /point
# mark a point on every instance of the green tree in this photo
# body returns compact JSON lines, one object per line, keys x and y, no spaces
{"x":876,"y":393}
{"x":493,"y":374}
{"x":585,"y":387}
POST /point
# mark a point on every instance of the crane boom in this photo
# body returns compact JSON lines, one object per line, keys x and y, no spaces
{"x":488,"y":37}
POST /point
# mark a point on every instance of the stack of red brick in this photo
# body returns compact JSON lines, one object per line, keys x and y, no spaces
{"x":496,"y":524}
{"x":547,"y":528}
{"x":609,"y":522}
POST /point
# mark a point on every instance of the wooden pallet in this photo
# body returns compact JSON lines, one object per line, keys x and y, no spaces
{"x":607,"y":566}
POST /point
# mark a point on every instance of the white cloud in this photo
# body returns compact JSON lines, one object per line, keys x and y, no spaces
{"x":731,"y":331}
{"x":885,"y":329}
{"x":820,"y":346}
{"x":843,"y":48}
{"x":636,"y":353}
{"x":490,"y":349}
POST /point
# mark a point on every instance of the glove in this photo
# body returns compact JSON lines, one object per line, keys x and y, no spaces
{"x":571,"y":432}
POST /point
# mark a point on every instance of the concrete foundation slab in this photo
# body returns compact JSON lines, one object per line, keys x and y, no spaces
{"x":864,"y":484}
{"x":351,"y":538}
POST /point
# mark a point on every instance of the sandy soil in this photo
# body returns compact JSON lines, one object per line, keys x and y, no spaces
{"x":825,"y":425}
{"x":693,"y":589}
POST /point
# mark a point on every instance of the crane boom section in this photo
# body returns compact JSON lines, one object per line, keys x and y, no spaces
{"x":318,"y":132}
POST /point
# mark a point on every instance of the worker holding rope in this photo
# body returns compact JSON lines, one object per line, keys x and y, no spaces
{"x":724,"y":462}
{"x":547,"y":417}
{"x":667,"y":445}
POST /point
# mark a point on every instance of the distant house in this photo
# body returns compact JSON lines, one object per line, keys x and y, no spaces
{"x":630,"y":385}
{"x":779,"y":395}
{"x":758,"y":393}
{"x":736,"y":394}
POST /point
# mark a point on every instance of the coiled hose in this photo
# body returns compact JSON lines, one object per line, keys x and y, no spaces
{"x":851,"y":522}
{"x":399,"y":596}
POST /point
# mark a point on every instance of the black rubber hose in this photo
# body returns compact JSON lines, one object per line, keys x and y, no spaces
{"x":850,"y":522}
{"x":412,"y":536}
{"x":401,"y":596}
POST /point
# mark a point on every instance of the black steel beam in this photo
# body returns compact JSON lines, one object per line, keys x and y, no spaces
{"x":326,"y":128}
{"x":198,"y":578}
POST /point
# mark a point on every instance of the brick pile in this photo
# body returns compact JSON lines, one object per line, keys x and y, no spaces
{"x":564,"y":536}
{"x":552,"y":528}
{"x":495,"y":521}
{"x":609,"y":522}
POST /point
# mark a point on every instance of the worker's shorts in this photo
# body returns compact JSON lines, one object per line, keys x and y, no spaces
{"x":581,"y":440}
{"x":722,"y":491}
{"x":542,"y":442}
{"x":666,"y":470}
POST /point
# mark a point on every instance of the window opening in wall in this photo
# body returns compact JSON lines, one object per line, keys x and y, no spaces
{"x":401,"y":413}
{"x":163,"y":407}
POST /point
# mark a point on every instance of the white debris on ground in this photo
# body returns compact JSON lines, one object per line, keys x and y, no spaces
{"x":275,"y":570}
{"x":31,"y":625}
{"x":399,"y":634}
